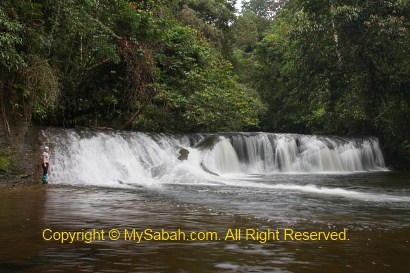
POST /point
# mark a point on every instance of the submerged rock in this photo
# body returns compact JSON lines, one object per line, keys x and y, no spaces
{"x":207,"y":170}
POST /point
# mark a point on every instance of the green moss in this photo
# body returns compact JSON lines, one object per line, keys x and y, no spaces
{"x":8,"y":160}
{"x":4,"y":164}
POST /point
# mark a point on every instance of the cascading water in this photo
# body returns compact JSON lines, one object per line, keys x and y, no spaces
{"x":256,"y":152}
{"x":104,"y":158}
{"x":222,"y":158}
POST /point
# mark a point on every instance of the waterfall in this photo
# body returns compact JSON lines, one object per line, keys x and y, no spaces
{"x":107,"y":157}
{"x":256,"y":152}
{"x":222,"y":158}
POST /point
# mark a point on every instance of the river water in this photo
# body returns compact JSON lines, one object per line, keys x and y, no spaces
{"x":212,"y":201}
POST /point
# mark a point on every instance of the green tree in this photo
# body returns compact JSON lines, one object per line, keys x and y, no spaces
{"x":28,"y":83}
{"x":264,"y":8}
{"x":212,"y":18}
{"x":246,"y":33}
{"x":197,"y":91}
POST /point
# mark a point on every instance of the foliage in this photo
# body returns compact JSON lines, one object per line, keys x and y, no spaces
{"x":10,"y":58}
{"x":212,"y":18}
{"x":28,"y":83}
{"x":264,"y":8}
{"x":126,"y":64}
{"x":39,"y":87}
{"x":197,"y":86}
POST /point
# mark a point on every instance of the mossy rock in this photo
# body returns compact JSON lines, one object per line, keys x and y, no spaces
{"x":4,"y":164}
{"x":9,"y":161}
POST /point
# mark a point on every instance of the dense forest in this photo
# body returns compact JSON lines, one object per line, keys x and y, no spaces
{"x":292,"y":66}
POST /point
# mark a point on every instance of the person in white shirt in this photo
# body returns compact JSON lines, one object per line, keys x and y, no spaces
{"x":45,"y":163}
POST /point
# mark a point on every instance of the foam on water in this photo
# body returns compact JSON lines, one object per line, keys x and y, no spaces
{"x":314,"y":189}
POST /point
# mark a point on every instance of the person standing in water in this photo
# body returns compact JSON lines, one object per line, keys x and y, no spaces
{"x":45,"y":163}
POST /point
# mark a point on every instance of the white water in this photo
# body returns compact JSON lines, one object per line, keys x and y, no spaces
{"x":121,"y":159}
{"x":106,"y":157}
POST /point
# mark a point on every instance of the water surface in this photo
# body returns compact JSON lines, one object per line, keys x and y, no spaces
{"x":373,"y":207}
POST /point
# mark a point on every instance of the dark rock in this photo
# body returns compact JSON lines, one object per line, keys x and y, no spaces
{"x":207,"y":170}
{"x":183,"y":154}
{"x":207,"y":143}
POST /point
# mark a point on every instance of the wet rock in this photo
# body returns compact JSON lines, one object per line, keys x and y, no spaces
{"x":207,"y":143}
{"x":183,"y":154}
{"x":207,"y":170}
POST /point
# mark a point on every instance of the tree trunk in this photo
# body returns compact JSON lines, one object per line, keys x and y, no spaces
{"x":4,"y":124}
{"x":335,"y":34}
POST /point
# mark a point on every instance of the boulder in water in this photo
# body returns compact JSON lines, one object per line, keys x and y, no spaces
{"x":208,"y":142}
{"x":183,"y":154}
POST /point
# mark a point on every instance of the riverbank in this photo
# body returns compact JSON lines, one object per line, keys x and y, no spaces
{"x":19,"y":158}
{"x":15,"y":184}
{"x":13,"y":169}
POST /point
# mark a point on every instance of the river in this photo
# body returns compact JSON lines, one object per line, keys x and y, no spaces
{"x":225,"y":188}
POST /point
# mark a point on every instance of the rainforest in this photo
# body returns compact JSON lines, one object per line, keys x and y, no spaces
{"x":180,"y":66}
